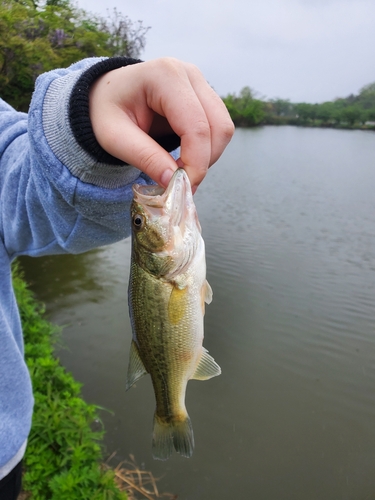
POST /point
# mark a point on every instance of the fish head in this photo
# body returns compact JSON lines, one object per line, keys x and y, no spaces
{"x":165,"y":226}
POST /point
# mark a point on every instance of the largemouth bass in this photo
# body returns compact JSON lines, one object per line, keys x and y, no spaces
{"x":167,"y":295}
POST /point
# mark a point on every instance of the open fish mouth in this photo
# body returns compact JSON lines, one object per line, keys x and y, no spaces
{"x":176,"y":201}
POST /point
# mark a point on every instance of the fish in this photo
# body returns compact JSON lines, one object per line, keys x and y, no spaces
{"x":168,"y":291}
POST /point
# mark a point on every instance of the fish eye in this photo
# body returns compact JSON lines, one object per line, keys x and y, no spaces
{"x":138,"y":221}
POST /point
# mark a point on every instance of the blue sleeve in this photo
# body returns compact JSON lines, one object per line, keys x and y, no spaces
{"x":55,"y":197}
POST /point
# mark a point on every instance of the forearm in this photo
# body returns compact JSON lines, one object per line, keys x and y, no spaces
{"x":56,"y":195}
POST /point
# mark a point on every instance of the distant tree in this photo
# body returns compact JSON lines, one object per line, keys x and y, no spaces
{"x":351,"y":114}
{"x":306,"y":111}
{"x":366,"y":96}
{"x":125,"y":37}
{"x":368,"y":89}
{"x":24,"y":51}
{"x":244,"y":109}
{"x":37,"y":38}
{"x":351,"y":99}
{"x":370,"y":115}
{"x":282,"y":107}
{"x":328,"y":113}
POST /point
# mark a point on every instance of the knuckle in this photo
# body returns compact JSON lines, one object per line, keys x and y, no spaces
{"x":193,"y":69}
{"x":202,"y":129}
{"x":227,"y":130}
{"x":148,"y":162}
{"x":170,"y":64}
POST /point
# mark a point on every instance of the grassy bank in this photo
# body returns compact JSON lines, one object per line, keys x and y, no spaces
{"x":64,"y":457}
{"x":64,"y":451}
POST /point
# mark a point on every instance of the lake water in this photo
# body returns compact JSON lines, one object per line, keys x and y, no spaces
{"x":288,"y":216}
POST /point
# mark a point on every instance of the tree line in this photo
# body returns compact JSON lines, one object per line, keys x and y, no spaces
{"x":37,"y":37}
{"x":40,"y":35}
{"x":354,"y":111}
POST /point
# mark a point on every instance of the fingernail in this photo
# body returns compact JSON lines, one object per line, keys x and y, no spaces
{"x":166,"y":176}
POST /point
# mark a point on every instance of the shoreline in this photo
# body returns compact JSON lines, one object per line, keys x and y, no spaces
{"x":295,"y":123}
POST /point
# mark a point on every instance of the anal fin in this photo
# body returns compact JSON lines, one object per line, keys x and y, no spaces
{"x":207,"y":367}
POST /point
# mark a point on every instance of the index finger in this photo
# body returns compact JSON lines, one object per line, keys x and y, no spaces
{"x":179,"y":103}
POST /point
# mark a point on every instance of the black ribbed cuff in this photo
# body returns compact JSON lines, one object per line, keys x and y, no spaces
{"x":79,"y":116}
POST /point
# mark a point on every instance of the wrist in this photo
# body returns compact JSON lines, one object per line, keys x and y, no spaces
{"x":79,"y":116}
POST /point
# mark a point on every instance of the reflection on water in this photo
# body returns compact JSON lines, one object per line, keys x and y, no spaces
{"x":67,"y":276}
{"x":288,"y":216}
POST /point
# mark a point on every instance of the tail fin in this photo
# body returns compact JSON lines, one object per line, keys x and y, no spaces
{"x":177,"y":434}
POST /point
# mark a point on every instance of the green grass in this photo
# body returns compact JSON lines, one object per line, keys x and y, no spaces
{"x":64,"y":453}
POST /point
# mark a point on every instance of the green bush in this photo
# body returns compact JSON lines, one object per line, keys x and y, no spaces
{"x":39,"y":36}
{"x":63,"y":456}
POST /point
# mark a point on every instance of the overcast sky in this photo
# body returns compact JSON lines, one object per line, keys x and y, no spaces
{"x":304,"y":50}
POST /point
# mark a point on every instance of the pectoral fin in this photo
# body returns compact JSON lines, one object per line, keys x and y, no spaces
{"x":207,"y":367}
{"x":208,"y":293}
{"x":136,"y":368}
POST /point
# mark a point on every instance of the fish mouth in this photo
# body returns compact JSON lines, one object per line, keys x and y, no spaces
{"x":176,"y":201}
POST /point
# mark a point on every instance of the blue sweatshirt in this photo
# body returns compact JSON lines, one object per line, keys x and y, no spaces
{"x":59,"y":193}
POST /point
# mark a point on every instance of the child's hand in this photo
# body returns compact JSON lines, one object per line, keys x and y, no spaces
{"x":130,"y":105}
